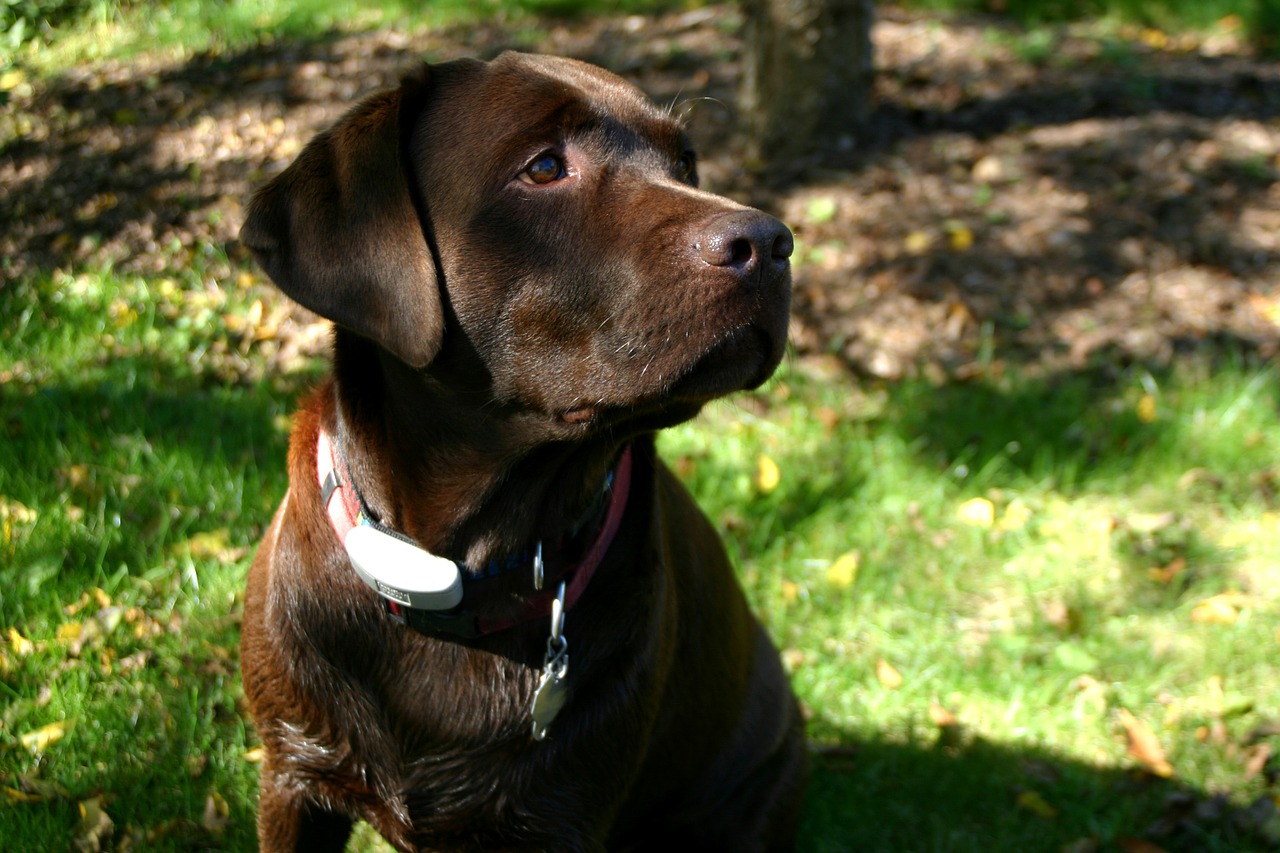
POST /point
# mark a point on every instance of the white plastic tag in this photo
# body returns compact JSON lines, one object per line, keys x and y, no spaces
{"x":403,"y":572}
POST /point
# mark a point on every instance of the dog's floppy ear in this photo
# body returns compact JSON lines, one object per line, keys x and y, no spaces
{"x":338,"y":232}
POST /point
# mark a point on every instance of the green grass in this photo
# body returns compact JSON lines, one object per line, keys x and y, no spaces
{"x":1033,"y":631}
{"x":143,"y":453}
{"x":51,"y":37}
{"x":1130,"y":561}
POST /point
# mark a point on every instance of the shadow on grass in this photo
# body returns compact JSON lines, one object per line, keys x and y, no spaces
{"x":137,"y":459}
{"x":979,"y":796}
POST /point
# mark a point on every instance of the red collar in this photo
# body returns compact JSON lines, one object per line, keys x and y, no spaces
{"x":345,"y":509}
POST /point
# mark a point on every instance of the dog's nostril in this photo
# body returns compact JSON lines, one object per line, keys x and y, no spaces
{"x":783,"y":245}
{"x":741,"y":252}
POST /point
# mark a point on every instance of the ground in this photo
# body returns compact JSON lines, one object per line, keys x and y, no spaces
{"x":1048,"y":199}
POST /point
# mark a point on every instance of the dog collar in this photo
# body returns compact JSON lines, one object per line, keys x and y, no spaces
{"x":427,"y":591}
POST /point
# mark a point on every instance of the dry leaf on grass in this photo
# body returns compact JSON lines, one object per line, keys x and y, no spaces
{"x":40,"y":739}
{"x":844,"y":571}
{"x":768,"y":475}
{"x":95,"y":827}
{"x":887,"y":675}
{"x":1144,"y":745}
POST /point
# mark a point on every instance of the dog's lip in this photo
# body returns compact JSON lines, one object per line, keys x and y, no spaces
{"x":580,"y":415}
{"x":742,"y":359}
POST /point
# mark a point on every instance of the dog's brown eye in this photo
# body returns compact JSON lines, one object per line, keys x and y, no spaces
{"x":544,"y":170}
{"x":688,"y":167}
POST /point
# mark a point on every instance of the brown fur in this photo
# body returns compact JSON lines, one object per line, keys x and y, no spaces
{"x":496,"y":344}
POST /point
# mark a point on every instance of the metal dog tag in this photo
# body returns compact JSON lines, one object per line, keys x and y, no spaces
{"x":552,"y":691}
{"x":549,"y":698}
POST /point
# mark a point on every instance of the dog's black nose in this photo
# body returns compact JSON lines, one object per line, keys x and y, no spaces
{"x":746,"y":240}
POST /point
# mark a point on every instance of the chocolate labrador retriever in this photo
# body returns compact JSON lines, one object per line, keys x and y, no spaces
{"x":485,"y":616}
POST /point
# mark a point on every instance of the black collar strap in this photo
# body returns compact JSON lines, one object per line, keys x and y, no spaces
{"x":418,"y":588}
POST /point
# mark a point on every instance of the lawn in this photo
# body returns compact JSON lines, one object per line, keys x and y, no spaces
{"x":1030,"y":604}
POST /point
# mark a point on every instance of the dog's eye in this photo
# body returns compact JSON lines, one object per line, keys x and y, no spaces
{"x":545,"y":169}
{"x":687,"y":166}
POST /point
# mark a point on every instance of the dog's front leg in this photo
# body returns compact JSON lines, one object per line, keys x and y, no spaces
{"x":287,"y":823}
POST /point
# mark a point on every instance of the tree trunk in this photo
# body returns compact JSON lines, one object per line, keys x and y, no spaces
{"x":806,"y":76}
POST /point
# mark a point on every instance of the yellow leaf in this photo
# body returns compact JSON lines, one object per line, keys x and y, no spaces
{"x":790,"y":591}
{"x":216,"y":813}
{"x":1144,"y":745}
{"x":1015,"y":516}
{"x":1268,"y":307}
{"x":15,"y":511}
{"x":210,"y":543}
{"x":977,"y":512}
{"x":96,"y":826}
{"x":844,"y":571}
{"x":45,"y":736}
{"x":941,"y":717}
{"x":70,"y":631}
{"x":959,"y":236}
{"x":1147,"y":410}
{"x":12,"y":79}
{"x":887,"y":675}
{"x":1032,"y":801}
{"x":917,"y":242}
{"x":1220,"y":609}
{"x":13,"y":795}
{"x":255,"y":755}
{"x":767,"y":474}
{"x":21,"y":645}
{"x":1154,"y":38}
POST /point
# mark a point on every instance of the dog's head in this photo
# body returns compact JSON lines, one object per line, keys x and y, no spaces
{"x":533,"y":224}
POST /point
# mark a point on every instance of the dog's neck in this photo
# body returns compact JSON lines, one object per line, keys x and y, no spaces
{"x":450,"y":469}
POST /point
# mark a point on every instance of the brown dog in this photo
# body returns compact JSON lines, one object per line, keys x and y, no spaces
{"x":525,"y":283}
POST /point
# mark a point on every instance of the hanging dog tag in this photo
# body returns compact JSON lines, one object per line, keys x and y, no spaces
{"x":550,"y":696}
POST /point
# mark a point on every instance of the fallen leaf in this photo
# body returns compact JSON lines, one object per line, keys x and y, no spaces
{"x":1015,"y":516}
{"x":1255,"y":759}
{"x":917,"y":242}
{"x":70,"y":631}
{"x":210,"y":543}
{"x":216,"y":813}
{"x":1033,"y":802}
{"x":1167,"y":574}
{"x":1147,"y":409}
{"x":12,"y":79}
{"x":844,"y":571}
{"x":977,"y":512}
{"x":14,"y":796}
{"x":887,"y":675}
{"x":11,"y":510}
{"x":21,"y":645}
{"x":1268,"y":307}
{"x":1144,"y":745}
{"x":95,"y":826}
{"x":768,"y":474}
{"x":941,"y":717}
{"x":45,"y":736}
{"x":959,"y":236}
{"x":1221,"y":609}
